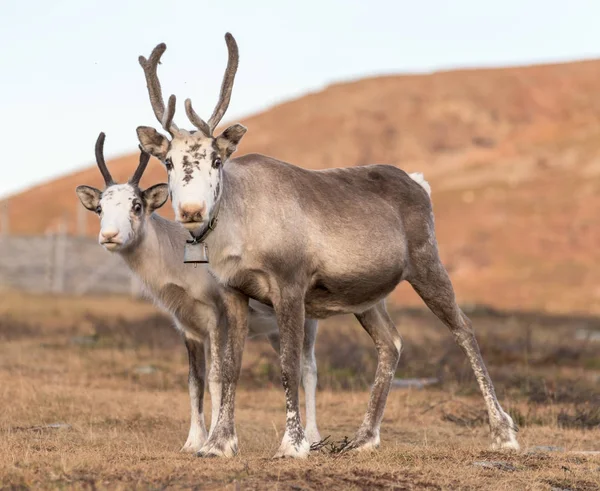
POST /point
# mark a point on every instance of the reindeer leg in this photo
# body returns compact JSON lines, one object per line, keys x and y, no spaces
{"x":222,"y":441}
{"x":196,"y":381}
{"x":430,"y":280}
{"x":388,"y":343}
{"x":217,"y":344}
{"x":290,"y":319}
{"x":309,"y":379}
{"x":309,"y":376}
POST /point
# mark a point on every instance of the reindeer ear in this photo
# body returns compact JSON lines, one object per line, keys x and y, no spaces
{"x":89,"y":197}
{"x":153,"y":142}
{"x":227,"y":141}
{"x":156,"y":196}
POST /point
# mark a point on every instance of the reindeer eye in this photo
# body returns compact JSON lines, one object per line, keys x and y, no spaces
{"x":137,"y":208}
{"x":217,"y":162}
{"x":98,"y":209}
{"x":169,"y":164}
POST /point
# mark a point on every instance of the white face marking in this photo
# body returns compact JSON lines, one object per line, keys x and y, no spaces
{"x":118,"y":220}
{"x":194,"y":177}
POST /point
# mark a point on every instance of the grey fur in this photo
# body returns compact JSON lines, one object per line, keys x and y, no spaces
{"x":338,"y":241}
{"x":320,"y":243}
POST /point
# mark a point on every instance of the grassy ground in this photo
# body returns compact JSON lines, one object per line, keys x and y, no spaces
{"x":115,"y":386}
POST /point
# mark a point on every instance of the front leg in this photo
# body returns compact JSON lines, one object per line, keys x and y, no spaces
{"x":196,"y":382}
{"x":222,"y":441}
{"x":290,"y":318}
{"x":309,"y":376}
{"x":218,"y":338}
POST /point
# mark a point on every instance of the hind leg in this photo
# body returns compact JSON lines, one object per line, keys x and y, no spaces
{"x":196,"y":381}
{"x":380,"y":327}
{"x":309,"y":380}
{"x":430,"y":280}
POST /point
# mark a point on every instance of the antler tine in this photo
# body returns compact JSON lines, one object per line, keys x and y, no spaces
{"x":108,"y":180}
{"x":167,"y":120}
{"x":196,"y":120}
{"x":227,"y":85}
{"x":154,"y":89}
{"x":139,"y":172}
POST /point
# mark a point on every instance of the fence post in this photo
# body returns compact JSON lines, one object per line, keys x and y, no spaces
{"x":49,"y":259}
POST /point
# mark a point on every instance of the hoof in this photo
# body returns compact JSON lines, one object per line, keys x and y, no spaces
{"x":191,"y":448}
{"x":219,"y":448}
{"x":290,"y":450}
{"x":360,"y":443}
{"x":194,"y":442}
{"x":504,"y":435}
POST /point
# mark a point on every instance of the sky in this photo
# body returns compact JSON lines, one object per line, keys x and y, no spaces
{"x":68,"y":68}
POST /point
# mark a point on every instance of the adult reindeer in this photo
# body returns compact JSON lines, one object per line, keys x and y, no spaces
{"x":309,"y":243}
{"x":152,"y":247}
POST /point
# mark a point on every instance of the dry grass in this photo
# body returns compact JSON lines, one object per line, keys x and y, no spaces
{"x":60,"y":364}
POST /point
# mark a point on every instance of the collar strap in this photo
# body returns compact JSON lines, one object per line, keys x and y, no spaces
{"x":197,"y":239}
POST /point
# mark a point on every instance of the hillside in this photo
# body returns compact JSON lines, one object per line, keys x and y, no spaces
{"x":513,"y":157}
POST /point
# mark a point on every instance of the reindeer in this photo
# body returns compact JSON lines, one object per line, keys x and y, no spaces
{"x":311,"y":244}
{"x":152,"y":247}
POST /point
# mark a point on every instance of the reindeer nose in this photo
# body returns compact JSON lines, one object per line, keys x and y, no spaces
{"x":192,"y":212}
{"x":109,"y":233}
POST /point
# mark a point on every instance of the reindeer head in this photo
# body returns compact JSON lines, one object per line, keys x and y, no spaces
{"x":193,"y":159}
{"x":122,"y":208}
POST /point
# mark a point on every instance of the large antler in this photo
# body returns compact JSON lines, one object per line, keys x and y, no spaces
{"x":139,"y":172}
{"x":108,"y":180}
{"x":224,"y":97}
{"x":155,"y":92}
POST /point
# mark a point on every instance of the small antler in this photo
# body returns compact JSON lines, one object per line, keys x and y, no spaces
{"x":224,"y":96}
{"x":155,"y":91}
{"x":108,"y":180}
{"x":139,"y":172}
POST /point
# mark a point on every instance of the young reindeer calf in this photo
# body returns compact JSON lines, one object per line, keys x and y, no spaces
{"x":152,"y":247}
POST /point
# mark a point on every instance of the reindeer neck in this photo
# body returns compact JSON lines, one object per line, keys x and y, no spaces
{"x":157,"y":258}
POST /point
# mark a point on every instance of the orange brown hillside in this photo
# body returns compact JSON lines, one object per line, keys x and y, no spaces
{"x":513,"y":157}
